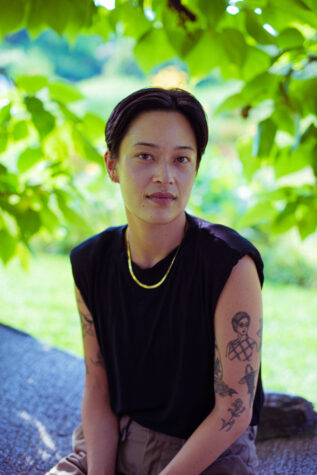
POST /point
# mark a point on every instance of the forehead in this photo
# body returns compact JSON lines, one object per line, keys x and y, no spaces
{"x":243,"y":321}
{"x":161,"y":126}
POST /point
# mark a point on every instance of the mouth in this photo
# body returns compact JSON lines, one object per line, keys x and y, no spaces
{"x":161,"y":198}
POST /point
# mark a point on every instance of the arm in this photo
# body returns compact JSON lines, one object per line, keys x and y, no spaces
{"x":100,"y":425}
{"x":233,"y":396}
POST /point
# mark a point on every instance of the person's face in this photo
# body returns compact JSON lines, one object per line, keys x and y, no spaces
{"x":242,"y":326}
{"x":157,"y":166}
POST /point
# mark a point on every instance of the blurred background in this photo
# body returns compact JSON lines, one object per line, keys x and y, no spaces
{"x":258,"y":175}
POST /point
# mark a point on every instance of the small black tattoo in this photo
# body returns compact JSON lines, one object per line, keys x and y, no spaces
{"x":259,"y":333}
{"x":243,"y":346}
{"x":86,"y":324}
{"x":235,"y":412}
{"x":221,"y":387}
{"x":249,"y":380}
{"x":99,"y":361}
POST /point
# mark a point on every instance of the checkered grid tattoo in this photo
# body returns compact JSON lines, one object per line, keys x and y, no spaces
{"x":241,"y":349}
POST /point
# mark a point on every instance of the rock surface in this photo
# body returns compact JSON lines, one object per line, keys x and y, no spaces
{"x":286,"y":416}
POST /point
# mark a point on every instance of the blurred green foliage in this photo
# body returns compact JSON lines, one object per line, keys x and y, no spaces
{"x":52,"y":128}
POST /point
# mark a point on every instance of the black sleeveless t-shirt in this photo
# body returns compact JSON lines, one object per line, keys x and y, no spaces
{"x":158,"y":344}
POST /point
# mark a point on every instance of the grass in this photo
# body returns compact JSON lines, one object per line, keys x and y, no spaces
{"x":41,"y":303}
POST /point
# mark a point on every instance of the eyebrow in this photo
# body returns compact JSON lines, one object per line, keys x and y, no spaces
{"x":179,"y":147}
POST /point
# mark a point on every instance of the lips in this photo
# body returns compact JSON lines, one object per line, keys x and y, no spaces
{"x":162,"y":195}
{"x":161,"y":198}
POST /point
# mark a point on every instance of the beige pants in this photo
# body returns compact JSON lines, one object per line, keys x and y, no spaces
{"x":143,"y":451}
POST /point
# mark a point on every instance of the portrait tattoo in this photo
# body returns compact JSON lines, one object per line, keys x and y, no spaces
{"x":259,"y":333}
{"x":221,"y":387}
{"x":235,"y":411}
{"x":249,"y":380}
{"x":243,"y":346}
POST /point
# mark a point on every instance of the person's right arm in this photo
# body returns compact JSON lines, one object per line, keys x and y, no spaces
{"x":100,"y":424}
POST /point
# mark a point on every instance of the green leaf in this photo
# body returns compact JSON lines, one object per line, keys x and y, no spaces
{"x":256,"y":30}
{"x":43,"y":120}
{"x":152,"y":49}
{"x":230,"y":103}
{"x":213,"y":10}
{"x":133,"y":20}
{"x":264,"y":138}
{"x":85,"y":149}
{"x":252,"y":4}
{"x":29,"y":222}
{"x":3,"y":142}
{"x":178,"y":35}
{"x":58,"y":14}
{"x":100,"y":24}
{"x":5,"y":113}
{"x":93,"y":126}
{"x":31,"y":84}
{"x":70,"y":215}
{"x":29,"y":157}
{"x":290,"y":38}
{"x":20,"y":130}
{"x":306,"y":220}
{"x":81,"y":16}
{"x":287,"y":162}
{"x":12,"y":13}
{"x":204,"y":56}
{"x":280,"y":14}
{"x":285,"y":220}
{"x":234,"y":46}
{"x":35,"y":16}
{"x":261,"y":212}
{"x":64,"y":92}
{"x":49,"y":219}
{"x":250,"y":163}
{"x":256,"y":62}
{"x":7,"y":245}
{"x":284,"y":118}
{"x":260,"y":88}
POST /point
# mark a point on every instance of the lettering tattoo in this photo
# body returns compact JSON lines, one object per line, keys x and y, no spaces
{"x":235,"y":411}
{"x":99,"y":361}
{"x":243,"y":346}
{"x":249,"y":379}
{"x":221,"y":387}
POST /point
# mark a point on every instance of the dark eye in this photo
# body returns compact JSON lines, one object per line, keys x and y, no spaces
{"x":145,"y":156}
{"x":182,"y":159}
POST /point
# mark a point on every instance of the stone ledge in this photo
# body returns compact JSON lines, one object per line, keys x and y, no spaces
{"x":284,"y":415}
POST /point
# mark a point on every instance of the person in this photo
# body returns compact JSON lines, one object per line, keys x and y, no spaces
{"x":160,"y":301}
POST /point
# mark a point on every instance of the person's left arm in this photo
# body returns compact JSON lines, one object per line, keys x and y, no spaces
{"x":237,"y":362}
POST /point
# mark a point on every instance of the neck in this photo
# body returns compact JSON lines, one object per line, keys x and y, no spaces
{"x":150,"y":243}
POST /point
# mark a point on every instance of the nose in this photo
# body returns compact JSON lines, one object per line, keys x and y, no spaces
{"x":163,"y":173}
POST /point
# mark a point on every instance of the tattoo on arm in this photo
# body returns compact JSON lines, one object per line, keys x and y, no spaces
{"x":235,"y":411}
{"x":259,"y":333}
{"x":86,"y":324}
{"x":221,"y":387}
{"x":243,"y":346}
{"x":249,"y":379}
{"x":99,"y":361}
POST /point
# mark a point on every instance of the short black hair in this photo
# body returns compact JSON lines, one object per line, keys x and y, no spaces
{"x":152,"y":99}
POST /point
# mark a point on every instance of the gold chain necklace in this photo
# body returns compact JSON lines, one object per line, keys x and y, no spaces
{"x":145,"y":286}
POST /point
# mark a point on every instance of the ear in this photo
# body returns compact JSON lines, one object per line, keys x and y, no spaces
{"x":111,"y":166}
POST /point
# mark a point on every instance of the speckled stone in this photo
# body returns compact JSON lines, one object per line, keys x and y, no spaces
{"x":40,"y":403}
